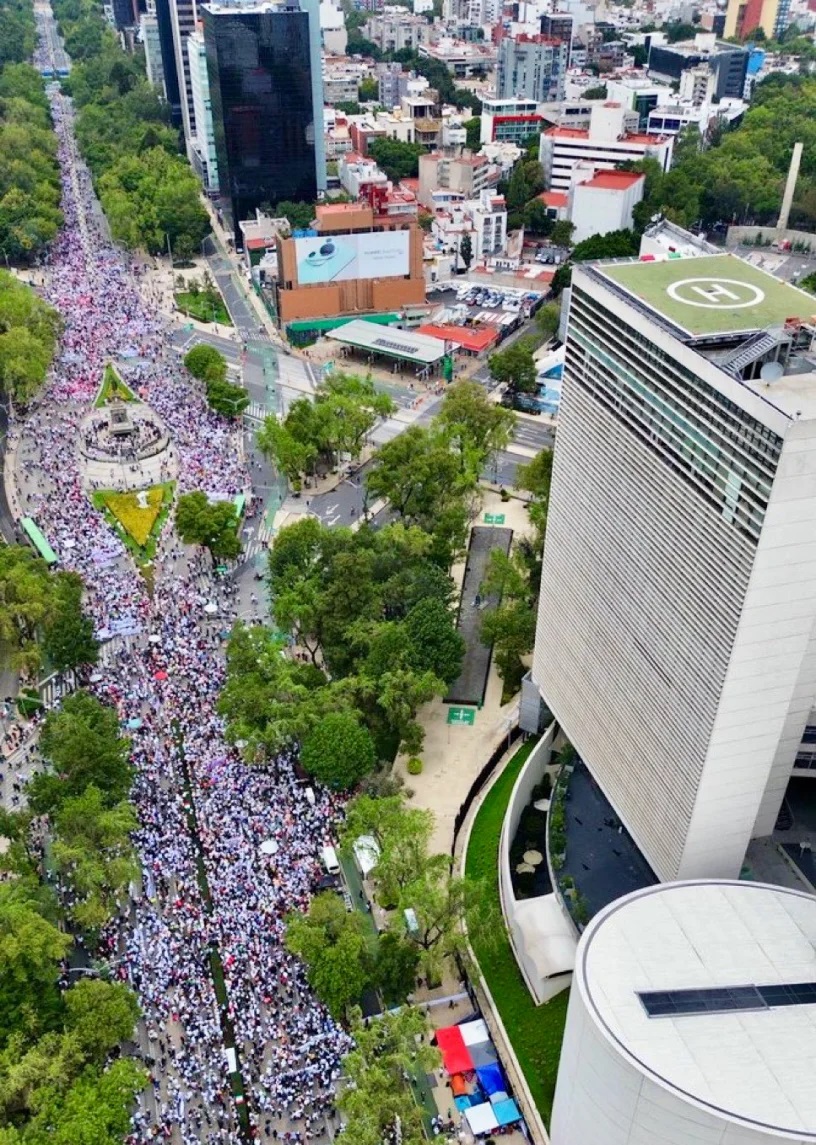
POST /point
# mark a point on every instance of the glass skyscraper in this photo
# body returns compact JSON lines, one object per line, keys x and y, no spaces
{"x":261,"y":68}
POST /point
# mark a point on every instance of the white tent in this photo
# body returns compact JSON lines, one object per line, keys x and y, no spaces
{"x":481,"y":1118}
{"x":366,"y":854}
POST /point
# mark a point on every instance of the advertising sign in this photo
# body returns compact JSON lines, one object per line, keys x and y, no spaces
{"x":338,"y":258}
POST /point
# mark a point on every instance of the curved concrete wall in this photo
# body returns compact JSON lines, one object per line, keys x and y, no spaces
{"x":528,"y":777}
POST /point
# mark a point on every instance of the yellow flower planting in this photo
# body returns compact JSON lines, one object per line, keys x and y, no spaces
{"x":135,"y":519}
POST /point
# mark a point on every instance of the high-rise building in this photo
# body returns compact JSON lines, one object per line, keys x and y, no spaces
{"x":728,"y":63}
{"x":184,"y":15}
{"x":123,"y":16}
{"x":203,"y":157}
{"x":151,"y":40}
{"x":263,"y":61}
{"x":168,"y":55}
{"x":532,"y":67}
{"x":676,"y":639}
{"x":743,"y":17}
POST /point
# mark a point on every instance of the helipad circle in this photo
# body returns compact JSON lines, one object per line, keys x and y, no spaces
{"x":716,"y":293}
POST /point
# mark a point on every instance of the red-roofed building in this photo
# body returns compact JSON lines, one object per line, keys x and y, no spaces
{"x":557,"y":204}
{"x":475,"y":340}
{"x":604,"y":145}
{"x":603,"y":201}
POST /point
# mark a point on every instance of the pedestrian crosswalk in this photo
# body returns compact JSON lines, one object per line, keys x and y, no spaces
{"x":258,"y":542}
{"x":256,"y":412}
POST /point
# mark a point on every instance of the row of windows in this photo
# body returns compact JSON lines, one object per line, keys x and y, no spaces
{"x":728,"y":458}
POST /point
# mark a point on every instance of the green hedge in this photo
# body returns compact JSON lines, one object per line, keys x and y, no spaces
{"x":536,"y":1032}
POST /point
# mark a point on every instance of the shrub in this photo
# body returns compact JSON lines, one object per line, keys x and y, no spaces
{"x":414,"y":766}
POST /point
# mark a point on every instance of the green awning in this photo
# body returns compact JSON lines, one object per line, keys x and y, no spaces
{"x":333,"y":323}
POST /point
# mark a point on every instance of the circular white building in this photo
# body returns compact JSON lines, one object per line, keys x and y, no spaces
{"x":692,"y":1020}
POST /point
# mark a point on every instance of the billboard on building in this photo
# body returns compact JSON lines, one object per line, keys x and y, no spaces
{"x":337,"y":258}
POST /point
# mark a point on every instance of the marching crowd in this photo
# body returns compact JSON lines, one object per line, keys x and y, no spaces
{"x":207,"y":886}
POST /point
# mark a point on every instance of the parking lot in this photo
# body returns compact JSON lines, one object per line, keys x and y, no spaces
{"x":469,"y":304}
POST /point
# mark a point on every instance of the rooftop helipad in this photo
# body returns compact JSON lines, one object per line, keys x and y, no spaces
{"x":711,"y":294}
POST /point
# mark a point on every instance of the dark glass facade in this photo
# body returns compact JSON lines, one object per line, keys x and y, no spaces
{"x":260,"y":75}
{"x":168,"y":54}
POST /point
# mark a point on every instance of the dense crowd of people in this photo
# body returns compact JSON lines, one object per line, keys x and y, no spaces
{"x":208,"y":889}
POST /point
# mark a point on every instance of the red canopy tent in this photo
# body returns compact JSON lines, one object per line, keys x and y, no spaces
{"x":455,"y":1054}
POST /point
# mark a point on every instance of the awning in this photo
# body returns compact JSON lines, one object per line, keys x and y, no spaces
{"x":481,"y":1118}
{"x":455,"y":1054}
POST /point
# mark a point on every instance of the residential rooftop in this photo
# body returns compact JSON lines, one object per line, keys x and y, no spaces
{"x":716,"y":294}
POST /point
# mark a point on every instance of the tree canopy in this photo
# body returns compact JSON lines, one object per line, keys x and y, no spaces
{"x":378,"y":1104}
{"x":397,"y":159}
{"x":30,"y":213}
{"x":41,"y":612}
{"x":331,"y":941}
{"x":515,"y":367}
{"x":147,"y":189}
{"x":82,"y":743}
{"x":338,"y":751}
{"x":214,"y":525}
{"x":29,"y":329}
{"x":372,"y":610}
{"x":345,"y":408}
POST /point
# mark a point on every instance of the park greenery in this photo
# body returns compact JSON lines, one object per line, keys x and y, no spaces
{"x":378,"y":1104}
{"x":314,"y":434}
{"x":371,"y":610}
{"x":202,"y":301}
{"x":535,"y":1032}
{"x":136,"y":519}
{"x":343,"y":957}
{"x":514,"y":579}
{"x":138,"y":528}
{"x":30,"y":213}
{"x":149,"y":193}
{"x":113,"y":389}
{"x":29,"y":329}
{"x":211,"y":524}
{"x":41,"y":617}
{"x":61,"y":1079}
{"x":209,"y":366}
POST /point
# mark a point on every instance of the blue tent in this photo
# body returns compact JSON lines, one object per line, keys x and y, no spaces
{"x":491,"y":1078}
{"x":507,"y":1112}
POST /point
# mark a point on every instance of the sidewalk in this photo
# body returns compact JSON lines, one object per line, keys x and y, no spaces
{"x":453,"y":756}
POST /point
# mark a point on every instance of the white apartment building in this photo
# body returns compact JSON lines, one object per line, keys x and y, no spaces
{"x":603,"y":201}
{"x":355,"y":171}
{"x":483,"y":218}
{"x":333,"y":32}
{"x":202,"y":145}
{"x":670,"y":119}
{"x":465,"y":173}
{"x":607,"y":142}
{"x":394,"y":29}
{"x":676,"y":639}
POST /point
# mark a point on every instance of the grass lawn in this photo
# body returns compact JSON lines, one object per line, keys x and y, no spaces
{"x":535,"y":1031}
{"x":139,"y":529}
{"x":206,"y":306}
{"x":113,"y":389}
